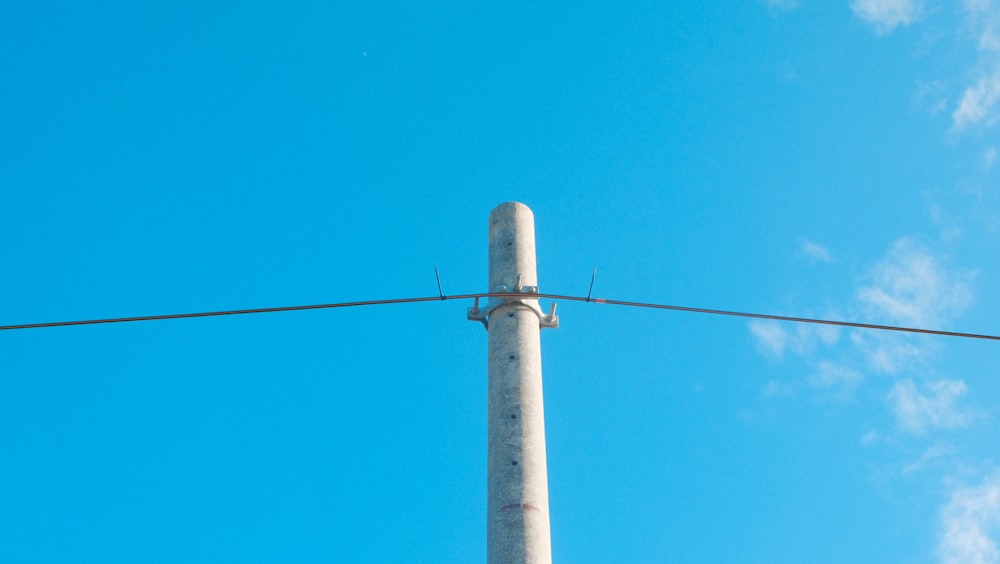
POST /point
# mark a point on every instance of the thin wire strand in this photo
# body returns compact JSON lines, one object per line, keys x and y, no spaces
{"x":786,"y":318}
{"x":587,"y":299}
{"x":218,"y":313}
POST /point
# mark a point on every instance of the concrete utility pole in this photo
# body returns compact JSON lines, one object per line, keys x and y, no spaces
{"x":517,"y":518}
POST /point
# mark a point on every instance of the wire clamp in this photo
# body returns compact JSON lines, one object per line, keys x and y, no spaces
{"x":518,"y":294}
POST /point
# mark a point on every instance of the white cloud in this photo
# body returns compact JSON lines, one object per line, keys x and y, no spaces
{"x":870,"y":438}
{"x":889,"y":353}
{"x":911,"y":286}
{"x":978,"y":104}
{"x":983,"y":19}
{"x":928,"y":457}
{"x":967,"y":522}
{"x":771,"y":336}
{"x":932,"y":96}
{"x":776,"y":389}
{"x":831,"y":375}
{"x":775,"y":339}
{"x":989,"y":158}
{"x":916,"y":411}
{"x":886,"y":15}
{"x":950,"y":225}
{"x":814,"y":251}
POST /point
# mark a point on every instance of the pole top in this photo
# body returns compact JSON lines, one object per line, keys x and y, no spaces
{"x":511,"y":209}
{"x":513,"y":277}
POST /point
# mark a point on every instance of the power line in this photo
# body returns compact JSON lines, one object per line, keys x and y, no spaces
{"x":442,"y":297}
{"x":793,"y":319}
{"x":217,"y":313}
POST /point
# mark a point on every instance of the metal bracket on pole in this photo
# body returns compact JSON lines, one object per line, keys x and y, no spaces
{"x":517,"y":295}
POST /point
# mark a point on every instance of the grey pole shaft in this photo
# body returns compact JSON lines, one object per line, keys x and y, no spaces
{"x":517,"y":483}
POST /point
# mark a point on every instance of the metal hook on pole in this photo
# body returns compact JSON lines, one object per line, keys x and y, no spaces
{"x":438,"y":276}
{"x":593,"y":277}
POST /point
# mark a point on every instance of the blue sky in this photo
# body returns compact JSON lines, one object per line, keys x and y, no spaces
{"x":830,"y":159}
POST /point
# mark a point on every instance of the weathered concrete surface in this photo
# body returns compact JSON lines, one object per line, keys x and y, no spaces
{"x":517,"y":483}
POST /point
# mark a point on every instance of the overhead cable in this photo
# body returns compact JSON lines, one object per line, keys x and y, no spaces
{"x":441,"y":297}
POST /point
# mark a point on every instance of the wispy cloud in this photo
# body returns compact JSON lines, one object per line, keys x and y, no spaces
{"x":927,"y":458}
{"x":937,"y":406}
{"x":967,"y":522}
{"x":814,"y":251}
{"x":983,"y":20}
{"x":771,"y":337}
{"x":978,"y":103}
{"x":912,"y":286}
{"x":775,"y":339}
{"x":889,"y":353}
{"x":776,"y":389}
{"x":932,"y":96}
{"x":917,"y":285}
{"x":887,"y":15}
{"x":837,"y":376}
{"x":871,"y":438}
